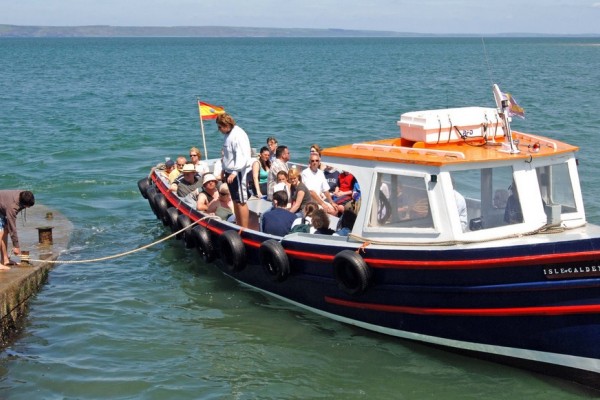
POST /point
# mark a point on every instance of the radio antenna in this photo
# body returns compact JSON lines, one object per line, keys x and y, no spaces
{"x":487,"y":62}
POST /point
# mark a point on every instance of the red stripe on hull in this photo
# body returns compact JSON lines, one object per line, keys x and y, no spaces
{"x":471,"y":312}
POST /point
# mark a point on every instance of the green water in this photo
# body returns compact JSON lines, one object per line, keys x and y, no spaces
{"x":81,"y":120}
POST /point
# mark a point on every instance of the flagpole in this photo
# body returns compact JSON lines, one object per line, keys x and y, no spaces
{"x":202,"y":128}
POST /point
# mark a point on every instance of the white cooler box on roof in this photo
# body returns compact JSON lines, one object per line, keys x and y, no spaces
{"x":451,"y":124}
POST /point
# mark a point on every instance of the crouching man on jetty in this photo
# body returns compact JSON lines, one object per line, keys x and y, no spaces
{"x":11,"y":203}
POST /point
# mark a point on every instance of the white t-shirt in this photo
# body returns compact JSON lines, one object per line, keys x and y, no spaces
{"x":237,"y":154}
{"x":315,"y":181}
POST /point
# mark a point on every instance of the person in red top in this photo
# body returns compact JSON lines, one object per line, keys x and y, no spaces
{"x":343,"y":191}
{"x":11,"y":203}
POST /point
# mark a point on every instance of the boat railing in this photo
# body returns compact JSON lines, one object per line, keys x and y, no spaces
{"x":530,"y":138}
{"x":408,"y":150}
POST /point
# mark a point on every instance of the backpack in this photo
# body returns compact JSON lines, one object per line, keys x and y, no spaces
{"x":301,"y":228}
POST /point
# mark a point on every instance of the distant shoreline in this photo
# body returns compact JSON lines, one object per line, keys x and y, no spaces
{"x":231,"y":32}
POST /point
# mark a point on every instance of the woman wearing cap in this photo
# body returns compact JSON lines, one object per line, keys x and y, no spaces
{"x":237,"y":161}
{"x":208,"y":193}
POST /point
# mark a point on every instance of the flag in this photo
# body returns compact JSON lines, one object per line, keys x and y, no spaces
{"x":514,"y":109}
{"x":208,"y":111}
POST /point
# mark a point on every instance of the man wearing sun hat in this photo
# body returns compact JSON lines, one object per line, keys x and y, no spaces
{"x":209,"y":192}
{"x":188,"y":182}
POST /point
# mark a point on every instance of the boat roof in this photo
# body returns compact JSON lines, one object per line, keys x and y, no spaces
{"x":478,"y":150}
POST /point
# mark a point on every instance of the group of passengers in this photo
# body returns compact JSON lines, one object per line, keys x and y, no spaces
{"x":299,"y":198}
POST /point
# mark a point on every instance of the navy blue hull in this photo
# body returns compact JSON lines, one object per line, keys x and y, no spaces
{"x":537,"y":304}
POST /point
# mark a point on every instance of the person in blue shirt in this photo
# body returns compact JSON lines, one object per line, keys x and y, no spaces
{"x":278,"y":221}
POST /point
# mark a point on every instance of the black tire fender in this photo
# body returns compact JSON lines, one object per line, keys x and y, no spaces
{"x":351,"y":272}
{"x":204,"y":243}
{"x":150,"y":193}
{"x":232,"y":251}
{"x":172,"y":215}
{"x":274,"y":260}
{"x":143,"y":185}
{"x":183,"y":221}
{"x":161,"y":205}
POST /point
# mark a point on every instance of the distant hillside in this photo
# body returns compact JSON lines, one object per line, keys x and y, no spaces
{"x":217,"y":31}
{"x":182,"y":31}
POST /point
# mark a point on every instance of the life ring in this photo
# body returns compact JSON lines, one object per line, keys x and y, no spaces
{"x":204,"y":244}
{"x":232,"y":251}
{"x":172,"y":215}
{"x":351,"y":272}
{"x":274,"y":260}
{"x":183,"y":221}
{"x":143,"y":185}
{"x":150,"y":193}
{"x":161,"y":205}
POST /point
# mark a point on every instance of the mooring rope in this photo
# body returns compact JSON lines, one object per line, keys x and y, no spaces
{"x":126,"y":253}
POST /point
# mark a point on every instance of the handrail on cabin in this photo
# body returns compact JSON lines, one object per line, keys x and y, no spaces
{"x":408,"y":150}
{"x":546,"y":142}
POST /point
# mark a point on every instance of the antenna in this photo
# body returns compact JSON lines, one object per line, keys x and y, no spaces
{"x":487,"y":62}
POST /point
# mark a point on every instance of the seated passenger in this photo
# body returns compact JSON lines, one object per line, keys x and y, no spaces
{"x":280,"y":164}
{"x":166,"y":169}
{"x":304,"y":223}
{"x":208,"y":193}
{"x":176,"y":172}
{"x":500,"y":199}
{"x":196,"y":156}
{"x":315,"y":181}
{"x":346,"y":223}
{"x":512,"y":212}
{"x":300,"y":193}
{"x":461,"y":206}
{"x":187,"y":183}
{"x":344,"y":188}
{"x":260,"y":172}
{"x":320,"y":221}
{"x":222,"y":206}
{"x":316,"y":149}
{"x":272,"y":146}
{"x":278,"y":221}
{"x":282,"y":183}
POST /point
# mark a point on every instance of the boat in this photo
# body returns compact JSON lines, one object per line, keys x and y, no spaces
{"x":514,"y":278}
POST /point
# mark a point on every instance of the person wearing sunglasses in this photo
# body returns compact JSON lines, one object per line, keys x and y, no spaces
{"x":195,"y":159}
{"x":179,"y":164}
{"x":315,"y":181}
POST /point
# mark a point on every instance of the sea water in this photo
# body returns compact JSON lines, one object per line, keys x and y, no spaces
{"x":82,"y":120}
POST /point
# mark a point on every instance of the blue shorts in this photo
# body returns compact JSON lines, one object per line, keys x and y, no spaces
{"x":237,"y":189}
{"x":2,"y":223}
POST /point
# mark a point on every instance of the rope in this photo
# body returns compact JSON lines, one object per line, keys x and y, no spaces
{"x":545,"y":229}
{"x":126,"y":253}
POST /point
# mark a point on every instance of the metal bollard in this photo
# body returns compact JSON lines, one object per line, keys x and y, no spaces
{"x":45,"y":234}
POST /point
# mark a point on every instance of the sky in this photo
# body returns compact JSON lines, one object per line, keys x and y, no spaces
{"x":419,"y":16}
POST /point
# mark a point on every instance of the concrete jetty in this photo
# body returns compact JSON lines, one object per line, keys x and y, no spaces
{"x":22,"y":281}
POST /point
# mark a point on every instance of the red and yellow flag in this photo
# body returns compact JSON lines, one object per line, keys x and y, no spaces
{"x":208,"y":111}
{"x":514,"y":109}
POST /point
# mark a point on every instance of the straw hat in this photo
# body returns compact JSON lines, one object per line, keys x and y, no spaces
{"x":188,"y":168}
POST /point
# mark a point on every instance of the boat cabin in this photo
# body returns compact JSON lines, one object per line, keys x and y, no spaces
{"x":463,"y":184}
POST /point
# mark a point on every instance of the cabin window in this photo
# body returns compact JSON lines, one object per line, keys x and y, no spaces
{"x":490,"y":194}
{"x":556,"y":187}
{"x":401,"y":201}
